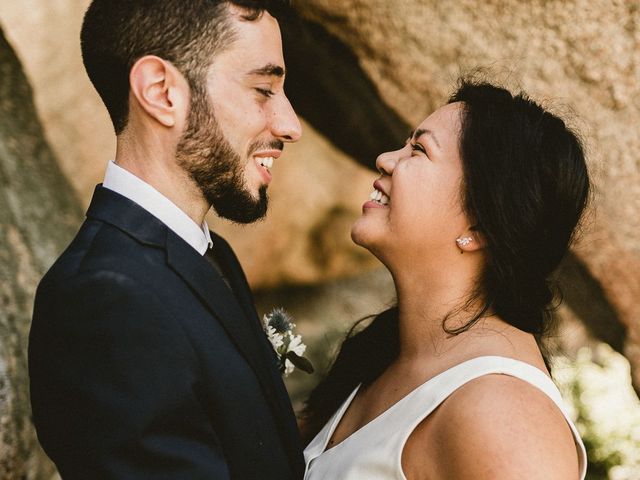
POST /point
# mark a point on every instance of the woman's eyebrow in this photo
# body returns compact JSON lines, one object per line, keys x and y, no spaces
{"x":425,"y":131}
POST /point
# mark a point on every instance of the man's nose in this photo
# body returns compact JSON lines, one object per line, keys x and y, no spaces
{"x":285,"y":124}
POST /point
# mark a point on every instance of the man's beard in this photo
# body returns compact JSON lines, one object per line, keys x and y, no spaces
{"x":216,"y":168}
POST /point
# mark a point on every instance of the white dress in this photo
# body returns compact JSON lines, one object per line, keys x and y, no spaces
{"x":374,"y":451}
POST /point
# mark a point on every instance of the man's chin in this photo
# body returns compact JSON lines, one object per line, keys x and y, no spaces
{"x":243,"y":210}
{"x":245,"y":220}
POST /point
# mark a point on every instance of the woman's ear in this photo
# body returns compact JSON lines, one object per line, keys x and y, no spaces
{"x":159,"y":89}
{"x":471,"y":240}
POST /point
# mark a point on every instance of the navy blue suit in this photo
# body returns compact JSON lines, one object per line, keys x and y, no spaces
{"x":144,"y":365}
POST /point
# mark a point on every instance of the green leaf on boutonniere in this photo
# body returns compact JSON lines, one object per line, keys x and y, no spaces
{"x":300,"y":362}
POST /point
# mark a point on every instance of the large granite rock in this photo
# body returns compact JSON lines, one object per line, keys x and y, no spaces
{"x":361,"y":72}
{"x":38,"y":216}
{"x":46,"y":38}
{"x":582,"y":56}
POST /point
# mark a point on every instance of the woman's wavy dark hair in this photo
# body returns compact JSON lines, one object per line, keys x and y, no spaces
{"x":526,"y":186}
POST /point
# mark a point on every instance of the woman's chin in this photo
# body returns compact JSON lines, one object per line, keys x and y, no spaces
{"x":361,"y":234}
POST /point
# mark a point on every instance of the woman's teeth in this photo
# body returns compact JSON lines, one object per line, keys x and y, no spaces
{"x":266,"y":162}
{"x":379,"y":197}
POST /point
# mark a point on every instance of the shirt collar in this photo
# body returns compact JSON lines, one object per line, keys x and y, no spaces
{"x":128,"y":185}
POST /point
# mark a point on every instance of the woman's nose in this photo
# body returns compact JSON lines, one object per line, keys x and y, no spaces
{"x":386,"y":162}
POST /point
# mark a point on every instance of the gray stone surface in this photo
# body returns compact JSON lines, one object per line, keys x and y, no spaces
{"x":38,"y":215}
{"x":581,"y":53}
{"x":580,"y":57}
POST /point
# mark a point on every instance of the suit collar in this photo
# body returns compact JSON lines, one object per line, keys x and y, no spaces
{"x":122,"y":181}
{"x":126,"y":215}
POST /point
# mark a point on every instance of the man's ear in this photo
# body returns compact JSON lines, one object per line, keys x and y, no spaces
{"x":159,"y":89}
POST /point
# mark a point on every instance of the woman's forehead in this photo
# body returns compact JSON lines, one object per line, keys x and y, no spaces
{"x":442,"y":126}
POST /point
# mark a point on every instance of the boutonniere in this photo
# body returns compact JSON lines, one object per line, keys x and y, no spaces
{"x":279,"y":327}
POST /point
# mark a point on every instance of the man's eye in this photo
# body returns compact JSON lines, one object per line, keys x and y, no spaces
{"x":264,"y":92}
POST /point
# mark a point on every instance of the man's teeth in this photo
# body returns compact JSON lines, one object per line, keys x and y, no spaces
{"x":266,"y":162}
{"x":378,"y":196}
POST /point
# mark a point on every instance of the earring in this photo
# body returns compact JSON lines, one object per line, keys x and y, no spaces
{"x":464,"y":241}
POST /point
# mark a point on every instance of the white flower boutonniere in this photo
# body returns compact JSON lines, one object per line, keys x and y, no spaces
{"x":279,"y":327}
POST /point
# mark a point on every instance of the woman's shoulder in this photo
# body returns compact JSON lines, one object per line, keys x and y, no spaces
{"x":499,"y":427}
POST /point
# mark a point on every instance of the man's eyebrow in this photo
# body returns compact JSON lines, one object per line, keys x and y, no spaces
{"x":269,"y":70}
{"x":424,"y":131}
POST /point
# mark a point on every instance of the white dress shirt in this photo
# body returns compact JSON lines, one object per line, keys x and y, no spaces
{"x":128,"y":185}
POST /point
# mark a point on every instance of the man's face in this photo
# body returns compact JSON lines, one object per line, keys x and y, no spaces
{"x":238,"y":122}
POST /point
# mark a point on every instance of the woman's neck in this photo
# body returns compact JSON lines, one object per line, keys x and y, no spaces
{"x":425,"y":302}
{"x":428,"y":297}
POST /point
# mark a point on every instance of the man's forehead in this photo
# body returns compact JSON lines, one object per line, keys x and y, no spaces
{"x":258,"y":38}
{"x":254,"y":49}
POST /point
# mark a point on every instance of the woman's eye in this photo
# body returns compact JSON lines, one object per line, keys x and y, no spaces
{"x":416,"y":147}
{"x":264,"y":92}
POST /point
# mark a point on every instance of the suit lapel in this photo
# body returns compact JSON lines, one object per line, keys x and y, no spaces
{"x":238,"y":282}
{"x":242,"y":325}
{"x":284,"y":413}
{"x":233,"y":271}
{"x":213,"y":292}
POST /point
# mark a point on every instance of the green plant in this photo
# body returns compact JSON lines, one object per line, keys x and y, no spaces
{"x":597,"y":388}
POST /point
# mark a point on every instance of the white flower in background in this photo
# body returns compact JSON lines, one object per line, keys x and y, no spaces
{"x":597,"y":388}
{"x":278,"y":326}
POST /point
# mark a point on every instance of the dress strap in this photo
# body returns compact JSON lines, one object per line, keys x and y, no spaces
{"x":432,"y":393}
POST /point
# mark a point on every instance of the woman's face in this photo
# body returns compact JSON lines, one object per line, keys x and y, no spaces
{"x":419,"y":210}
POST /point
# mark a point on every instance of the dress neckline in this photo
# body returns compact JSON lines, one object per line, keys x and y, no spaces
{"x":337,"y":418}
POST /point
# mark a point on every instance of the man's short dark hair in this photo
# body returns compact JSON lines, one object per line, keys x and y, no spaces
{"x":187,"y":33}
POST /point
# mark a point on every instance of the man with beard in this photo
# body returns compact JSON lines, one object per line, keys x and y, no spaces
{"x":146,"y":356}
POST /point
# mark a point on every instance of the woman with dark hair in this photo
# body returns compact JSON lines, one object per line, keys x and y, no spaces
{"x":471,"y":217}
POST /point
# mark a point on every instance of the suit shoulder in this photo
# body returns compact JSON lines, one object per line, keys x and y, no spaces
{"x":97,"y":247}
{"x":69,"y":261}
{"x":104,"y":304}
